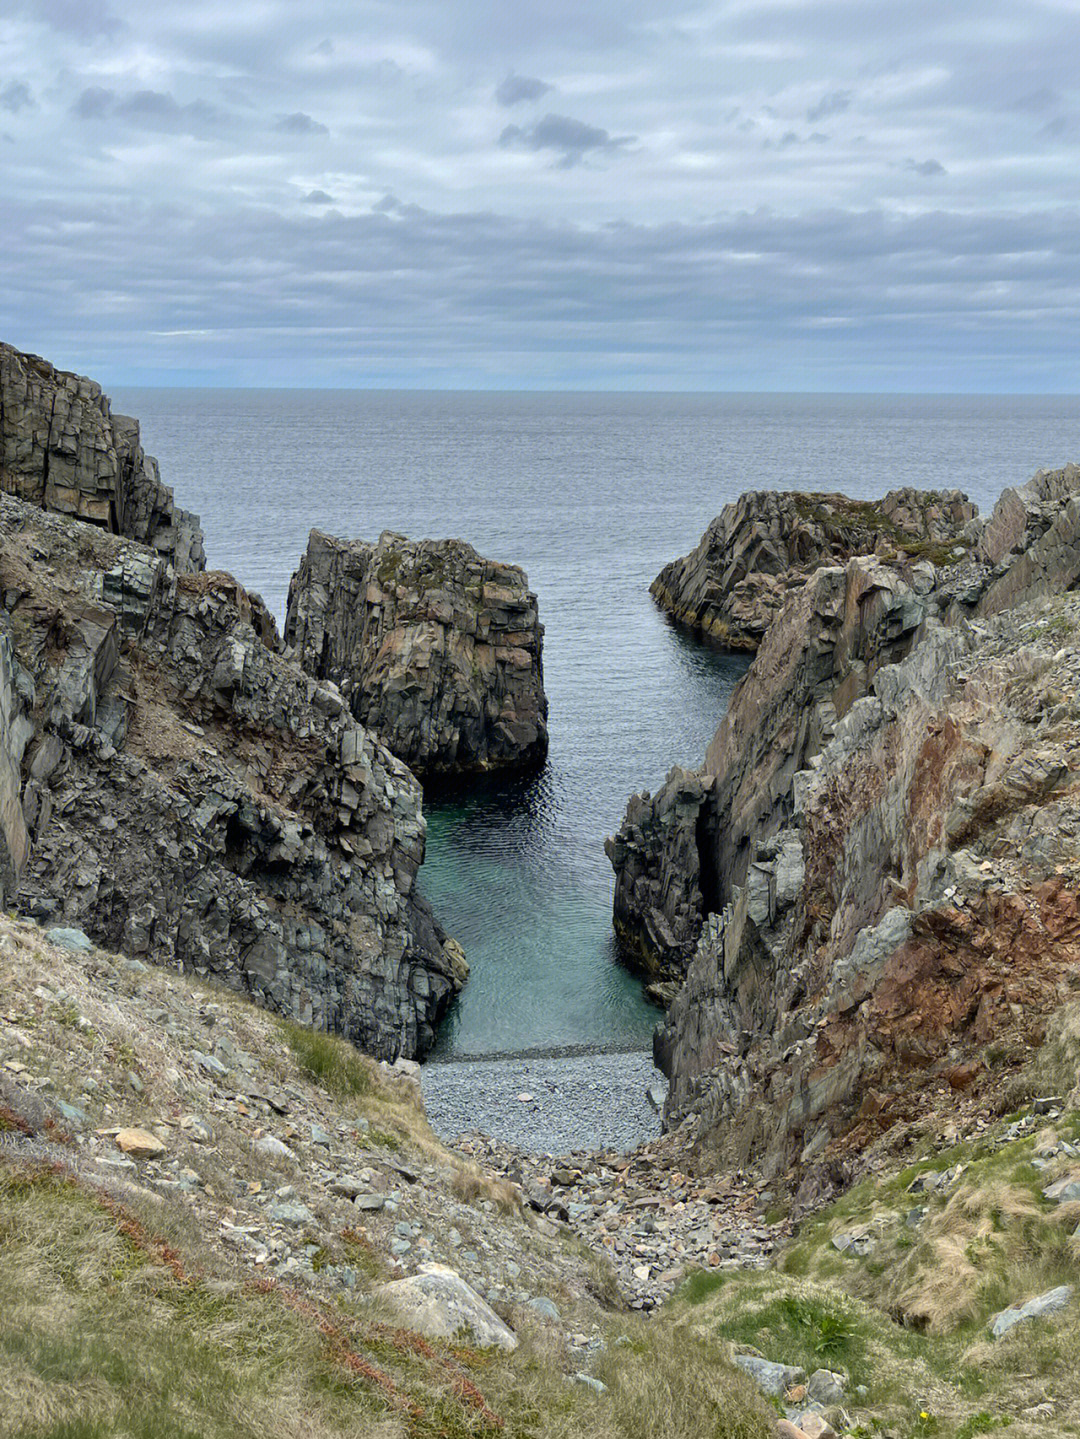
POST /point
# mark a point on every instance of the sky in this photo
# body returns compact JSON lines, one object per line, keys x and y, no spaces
{"x":564,"y":194}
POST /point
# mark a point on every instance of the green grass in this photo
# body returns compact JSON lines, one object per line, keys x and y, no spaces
{"x":331,"y":1062}
{"x":100,"y":1337}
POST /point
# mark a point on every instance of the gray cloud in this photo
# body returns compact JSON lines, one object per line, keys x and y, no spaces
{"x":571,"y":139}
{"x":852,"y":256}
{"x":16,"y":96}
{"x":153,"y":110}
{"x":834,"y":103}
{"x":299,"y":123}
{"x":85,"y":19}
{"x":95,"y":103}
{"x":516,"y":88}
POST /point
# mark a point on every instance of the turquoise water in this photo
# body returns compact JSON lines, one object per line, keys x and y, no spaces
{"x":592,"y":494}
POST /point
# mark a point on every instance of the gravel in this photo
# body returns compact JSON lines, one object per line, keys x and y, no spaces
{"x":576,"y":1102}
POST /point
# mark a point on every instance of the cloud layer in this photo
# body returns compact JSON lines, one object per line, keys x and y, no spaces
{"x":749,"y":196}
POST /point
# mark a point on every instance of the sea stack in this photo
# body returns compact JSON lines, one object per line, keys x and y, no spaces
{"x":437,"y":650}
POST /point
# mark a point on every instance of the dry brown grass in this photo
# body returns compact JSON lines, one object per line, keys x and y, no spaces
{"x":470,"y":1184}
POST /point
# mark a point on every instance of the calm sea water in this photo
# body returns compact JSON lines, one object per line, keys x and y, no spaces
{"x":592,"y":494}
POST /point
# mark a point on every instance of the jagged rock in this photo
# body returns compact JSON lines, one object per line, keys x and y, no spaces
{"x":62,"y":449}
{"x":437,"y":1302}
{"x":768,"y":543}
{"x":435,"y":649}
{"x":16,"y":729}
{"x":195,"y":799}
{"x":887,"y":849}
{"x":680,"y":853}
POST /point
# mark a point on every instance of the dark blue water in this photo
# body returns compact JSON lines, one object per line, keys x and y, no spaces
{"x":592,"y":494}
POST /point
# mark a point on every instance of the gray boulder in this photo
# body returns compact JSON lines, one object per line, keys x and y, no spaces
{"x":437,"y":1302}
{"x":1051,"y":1302}
{"x":771,"y":1378}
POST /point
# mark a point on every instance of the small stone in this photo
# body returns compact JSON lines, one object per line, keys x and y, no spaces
{"x":370,"y":1203}
{"x":1064,"y":1190}
{"x":139,"y":1144}
{"x":815,"y":1426}
{"x":295,"y":1214}
{"x":589,"y":1381}
{"x":73,"y":939}
{"x":525,"y":1097}
{"x":544,"y":1307}
{"x":319,"y":1136}
{"x":826,"y":1387}
{"x":348,"y":1185}
{"x":272,"y":1147}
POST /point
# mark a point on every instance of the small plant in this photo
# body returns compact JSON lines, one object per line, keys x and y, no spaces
{"x":384,"y":1140}
{"x":982,"y":1423}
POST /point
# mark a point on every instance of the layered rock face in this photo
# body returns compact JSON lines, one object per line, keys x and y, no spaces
{"x":436,"y":649}
{"x":767,"y":544}
{"x":887,"y":857}
{"x":194,"y":798}
{"x":61,"y":448}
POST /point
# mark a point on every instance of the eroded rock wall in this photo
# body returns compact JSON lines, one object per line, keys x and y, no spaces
{"x":887,"y":862}
{"x":195,"y":799}
{"x":436,"y":649}
{"x":62,"y":449}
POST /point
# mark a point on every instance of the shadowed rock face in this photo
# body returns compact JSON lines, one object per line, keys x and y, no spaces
{"x":62,"y":449}
{"x":767,"y":544}
{"x":436,"y":649}
{"x":877,"y":869}
{"x":195,"y":799}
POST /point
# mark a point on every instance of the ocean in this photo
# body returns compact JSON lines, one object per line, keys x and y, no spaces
{"x":592,"y":494}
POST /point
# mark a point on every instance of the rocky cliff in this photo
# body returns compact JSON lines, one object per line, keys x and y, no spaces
{"x":61,"y":448}
{"x":193,"y":798}
{"x":436,"y":649}
{"x":873,"y":878}
{"x":767,"y":544}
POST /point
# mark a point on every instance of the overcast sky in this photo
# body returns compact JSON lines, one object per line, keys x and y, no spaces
{"x":738,"y":194}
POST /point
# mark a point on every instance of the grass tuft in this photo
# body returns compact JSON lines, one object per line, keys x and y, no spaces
{"x":331,"y":1062}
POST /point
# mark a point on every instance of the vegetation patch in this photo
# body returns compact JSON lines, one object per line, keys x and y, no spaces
{"x":331,"y":1062}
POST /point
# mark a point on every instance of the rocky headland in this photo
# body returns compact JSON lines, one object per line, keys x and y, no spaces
{"x":868,"y":893}
{"x":170,"y":781}
{"x":437,"y":650}
{"x":768,"y":543}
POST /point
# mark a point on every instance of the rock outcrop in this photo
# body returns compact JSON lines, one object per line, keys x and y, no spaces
{"x":62,"y":449}
{"x":437,"y":650}
{"x":887,"y":857}
{"x":766,"y":544}
{"x":193,"y":798}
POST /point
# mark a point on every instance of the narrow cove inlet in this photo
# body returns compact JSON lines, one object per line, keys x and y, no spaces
{"x":591,"y":495}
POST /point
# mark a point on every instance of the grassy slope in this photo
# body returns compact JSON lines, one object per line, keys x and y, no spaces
{"x":908,"y":1319}
{"x":124,"y":1315}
